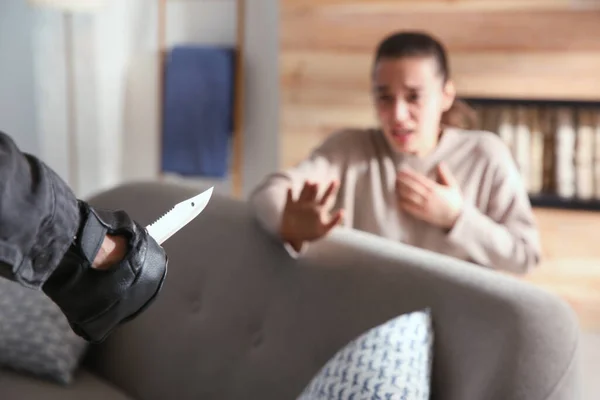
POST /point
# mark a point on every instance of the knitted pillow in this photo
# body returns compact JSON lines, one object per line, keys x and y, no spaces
{"x":35,"y":337}
{"x":391,"y":361}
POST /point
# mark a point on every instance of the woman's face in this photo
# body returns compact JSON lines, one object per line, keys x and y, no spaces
{"x":410,"y":98}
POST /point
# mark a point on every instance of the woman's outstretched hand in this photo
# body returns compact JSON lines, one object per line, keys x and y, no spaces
{"x":309,"y":217}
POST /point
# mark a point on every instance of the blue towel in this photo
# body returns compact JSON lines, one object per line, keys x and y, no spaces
{"x":198,"y":111}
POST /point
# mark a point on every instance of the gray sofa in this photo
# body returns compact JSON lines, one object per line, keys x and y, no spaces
{"x":239,"y":319}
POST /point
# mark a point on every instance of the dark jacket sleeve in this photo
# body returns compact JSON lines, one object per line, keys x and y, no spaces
{"x":49,"y":239}
{"x":39,"y":217}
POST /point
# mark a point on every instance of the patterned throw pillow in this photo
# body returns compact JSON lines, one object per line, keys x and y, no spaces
{"x":35,"y":336}
{"x":389,"y":362}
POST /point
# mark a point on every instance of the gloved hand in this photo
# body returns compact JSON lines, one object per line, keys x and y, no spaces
{"x":96,"y":301}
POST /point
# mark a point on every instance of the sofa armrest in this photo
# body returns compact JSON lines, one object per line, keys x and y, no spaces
{"x":496,"y":337}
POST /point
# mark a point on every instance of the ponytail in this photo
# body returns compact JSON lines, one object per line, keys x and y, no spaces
{"x":460,"y":115}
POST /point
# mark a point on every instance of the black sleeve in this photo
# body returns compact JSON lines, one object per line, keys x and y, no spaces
{"x":39,"y":217}
{"x":49,"y":239}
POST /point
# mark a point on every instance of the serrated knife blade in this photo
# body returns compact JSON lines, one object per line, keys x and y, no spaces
{"x":178,"y":217}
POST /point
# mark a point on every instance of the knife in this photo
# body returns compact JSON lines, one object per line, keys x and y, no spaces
{"x":178,"y":217}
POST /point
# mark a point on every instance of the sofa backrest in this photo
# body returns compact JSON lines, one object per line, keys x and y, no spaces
{"x":239,"y":319}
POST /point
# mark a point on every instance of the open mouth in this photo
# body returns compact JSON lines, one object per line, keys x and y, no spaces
{"x":402,"y":136}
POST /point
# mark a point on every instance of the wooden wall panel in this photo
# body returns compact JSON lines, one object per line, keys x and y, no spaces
{"x":469,"y":30}
{"x":449,"y":5}
{"x":320,"y":78}
{"x":571,"y":261}
{"x":372,"y":6}
{"x":498,"y":48}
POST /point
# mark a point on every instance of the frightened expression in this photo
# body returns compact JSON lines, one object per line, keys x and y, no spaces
{"x":410,"y":98}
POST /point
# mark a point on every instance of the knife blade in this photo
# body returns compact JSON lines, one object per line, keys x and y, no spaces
{"x":178,"y":217}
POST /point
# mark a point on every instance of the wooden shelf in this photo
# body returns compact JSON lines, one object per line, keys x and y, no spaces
{"x":531,"y":101}
{"x":553,"y":201}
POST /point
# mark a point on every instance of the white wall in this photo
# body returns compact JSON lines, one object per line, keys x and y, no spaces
{"x":116,"y":80}
{"x":17,"y":100}
{"x":261,"y":132}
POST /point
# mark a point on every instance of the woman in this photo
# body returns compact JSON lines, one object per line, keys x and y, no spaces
{"x":417,"y":179}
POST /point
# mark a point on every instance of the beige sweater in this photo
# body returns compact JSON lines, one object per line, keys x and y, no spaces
{"x":496,"y":228}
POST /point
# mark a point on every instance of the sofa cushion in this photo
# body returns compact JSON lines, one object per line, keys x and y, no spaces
{"x":16,"y":386}
{"x":35,"y":336}
{"x":390,"y":361}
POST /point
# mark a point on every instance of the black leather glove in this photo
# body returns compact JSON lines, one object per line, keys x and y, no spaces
{"x":96,"y":301}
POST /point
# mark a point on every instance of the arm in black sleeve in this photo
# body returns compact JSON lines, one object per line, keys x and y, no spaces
{"x":49,"y":239}
{"x":39,"y":217}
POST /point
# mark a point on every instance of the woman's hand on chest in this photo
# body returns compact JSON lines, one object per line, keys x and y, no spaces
{"x":436,"y":202}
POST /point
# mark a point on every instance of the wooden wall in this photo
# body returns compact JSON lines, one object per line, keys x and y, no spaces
{"x":498,"y":48}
